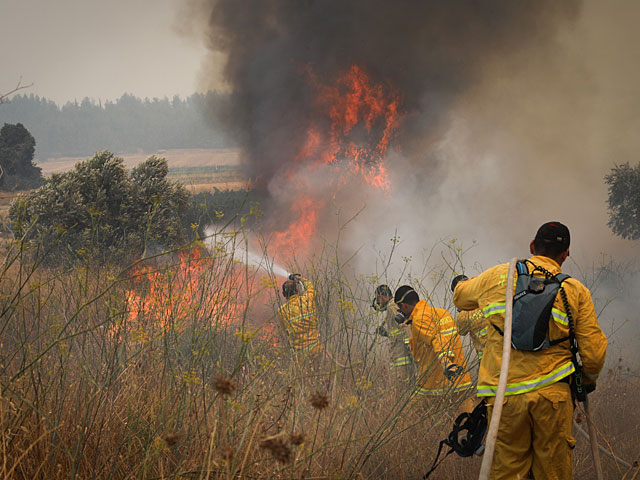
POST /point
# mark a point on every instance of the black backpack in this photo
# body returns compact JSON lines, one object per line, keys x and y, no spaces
{"x":532,"y":305}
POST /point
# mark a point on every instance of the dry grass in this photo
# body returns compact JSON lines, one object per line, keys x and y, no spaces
{"x":196,"y":382}
{"x":176,"y":158}
{"x":197,"y":169}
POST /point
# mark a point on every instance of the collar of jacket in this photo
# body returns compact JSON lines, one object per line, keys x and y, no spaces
{"x":420,"y":307}
{"x":546,"y":263}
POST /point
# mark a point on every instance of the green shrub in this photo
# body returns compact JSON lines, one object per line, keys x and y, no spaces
{"x":99,"y":210}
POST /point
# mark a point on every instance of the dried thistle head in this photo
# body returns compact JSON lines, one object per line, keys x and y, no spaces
{"x":224,"y":386}
{"x":319,"y":401}
{"x":278,"y":448}
{"x":296,"y":438}
{"x":172,"y":438}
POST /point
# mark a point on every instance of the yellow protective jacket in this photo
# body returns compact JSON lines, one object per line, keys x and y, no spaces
{"x":474,"y":324}
{"x":399,"y":335}
{"x":299,"y":318}
{"x":435,"y":344}
{"x":530,"y":371}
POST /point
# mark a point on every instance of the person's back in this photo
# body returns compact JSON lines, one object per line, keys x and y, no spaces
{"x":435,"y":342}
{"x":435,"y":345}
{"x":299,"y":317}
{"x":535,"y":432}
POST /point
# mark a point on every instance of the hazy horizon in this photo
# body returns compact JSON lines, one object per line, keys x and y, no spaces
{"x":71,"y":50}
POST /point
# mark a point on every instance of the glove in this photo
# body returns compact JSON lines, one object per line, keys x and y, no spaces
{"x":453,"y":371}
{"x":400,"y":318}
{"x":589,"y":385}
{"x":457,"y":279}
{"x":382,"y":331}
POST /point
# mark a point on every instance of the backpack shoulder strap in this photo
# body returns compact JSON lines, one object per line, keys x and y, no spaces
{"x":521,"y":268}
{"x":561,"y":277}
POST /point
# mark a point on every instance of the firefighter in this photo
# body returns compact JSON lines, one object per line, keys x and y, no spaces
{"x":475,"y":325}
{"x":535,"y":433}
{"x":397,"y":328}
{"x":298,"y":315}
{"x":436,"y":347}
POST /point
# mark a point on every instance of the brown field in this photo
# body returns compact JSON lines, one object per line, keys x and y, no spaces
{"x":199,"y":169}
{"x":175,"y":158}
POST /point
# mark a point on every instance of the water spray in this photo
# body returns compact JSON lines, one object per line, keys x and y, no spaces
{"x":241,"y":252}
{"x":257,"y":261}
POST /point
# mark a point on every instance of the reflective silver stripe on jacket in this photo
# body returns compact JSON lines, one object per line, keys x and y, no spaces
{"x":302,"y":317}
{"x":560,"y":317}
{"x":499,"y":307}
{"x":400,"y":361}
{"x":529,"y":385}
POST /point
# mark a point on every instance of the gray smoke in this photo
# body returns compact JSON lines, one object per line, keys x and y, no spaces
{"x":431,"y":51}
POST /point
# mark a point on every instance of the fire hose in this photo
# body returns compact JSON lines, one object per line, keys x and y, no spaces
{"x":492,"y":433}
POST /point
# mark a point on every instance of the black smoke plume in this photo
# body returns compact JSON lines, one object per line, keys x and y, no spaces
{"x":429,"y":50}
{"x":432,"y":51}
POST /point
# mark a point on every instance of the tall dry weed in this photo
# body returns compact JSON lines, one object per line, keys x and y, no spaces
{"x":178,"y":370}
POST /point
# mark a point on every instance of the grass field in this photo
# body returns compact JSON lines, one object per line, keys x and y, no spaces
{"x":178,"y":369}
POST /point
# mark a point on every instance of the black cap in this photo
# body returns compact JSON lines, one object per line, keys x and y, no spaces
{"x":554,"y":233}
{"x":457,"y":279}
{"x":404,"y":293}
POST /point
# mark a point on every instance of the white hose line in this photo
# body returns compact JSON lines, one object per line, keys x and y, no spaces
{"x":593,"y":439}
{"x":492,"y":434}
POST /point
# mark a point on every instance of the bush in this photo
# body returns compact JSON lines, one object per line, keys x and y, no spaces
{"x":624,"y":200}
{"x":100,"y":210}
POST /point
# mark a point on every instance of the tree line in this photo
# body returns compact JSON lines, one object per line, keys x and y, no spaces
{"x":101,"y":210}
{"x":128,"y":124}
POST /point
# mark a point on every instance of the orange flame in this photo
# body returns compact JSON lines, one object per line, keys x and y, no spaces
{"x":171,"y":298}
{"x":184,"y":294}
{"x":297,"y":237}
{"x":363,"y":119}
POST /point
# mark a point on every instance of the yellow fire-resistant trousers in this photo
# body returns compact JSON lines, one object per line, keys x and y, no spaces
{"x":535,"y":435}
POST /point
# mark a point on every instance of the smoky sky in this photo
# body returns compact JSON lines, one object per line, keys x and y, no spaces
{"x":431,"y":51}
